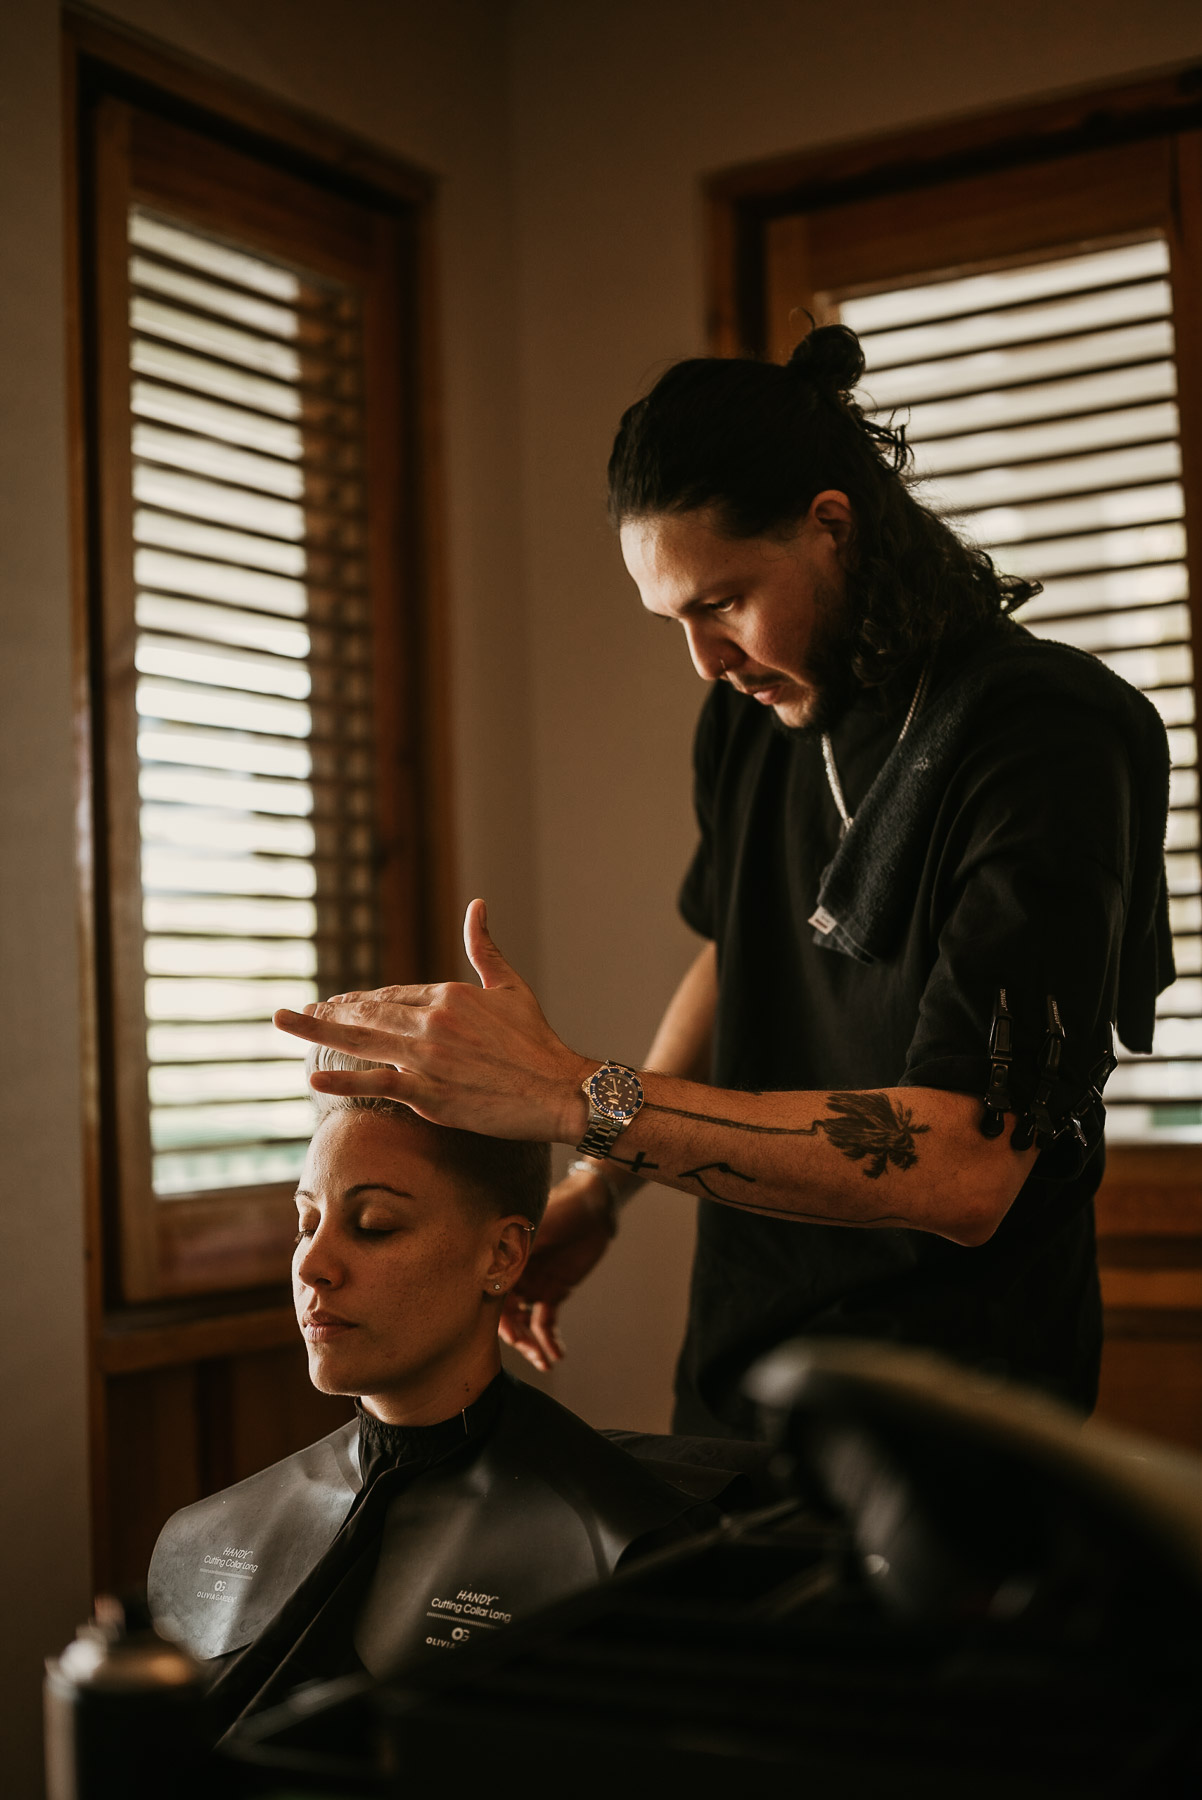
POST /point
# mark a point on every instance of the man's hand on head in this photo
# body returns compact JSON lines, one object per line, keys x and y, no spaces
{"x":482,"y":1059}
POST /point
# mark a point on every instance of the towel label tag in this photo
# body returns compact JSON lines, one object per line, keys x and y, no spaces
{"x":822,"y":921}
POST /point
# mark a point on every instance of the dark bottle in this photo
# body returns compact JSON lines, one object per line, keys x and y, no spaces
{"x":123,"y":1711}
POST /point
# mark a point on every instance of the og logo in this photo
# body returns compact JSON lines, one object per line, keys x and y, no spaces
{"x":461,"y":1634}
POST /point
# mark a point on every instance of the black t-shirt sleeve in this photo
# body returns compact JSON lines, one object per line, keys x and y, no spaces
{"x":1030,"y":899}
{"x":697,"y":903}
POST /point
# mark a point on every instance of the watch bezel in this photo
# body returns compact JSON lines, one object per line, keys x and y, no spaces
{"x":618,"y":1114}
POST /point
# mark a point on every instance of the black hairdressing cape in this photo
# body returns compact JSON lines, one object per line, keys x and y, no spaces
{"x":381,"y":1544}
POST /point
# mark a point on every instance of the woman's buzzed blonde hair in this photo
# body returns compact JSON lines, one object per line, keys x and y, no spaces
{"x":504,"y":1174}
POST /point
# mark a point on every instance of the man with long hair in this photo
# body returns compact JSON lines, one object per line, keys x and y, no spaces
{"x":930,"y":876}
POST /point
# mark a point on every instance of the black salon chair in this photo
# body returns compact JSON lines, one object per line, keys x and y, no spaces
{"x":958,"y":1589}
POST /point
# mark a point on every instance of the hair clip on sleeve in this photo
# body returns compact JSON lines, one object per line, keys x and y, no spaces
{"x":1001,"y":1052}
{"x":1101,"y":1072}
{"x":1036,"y":1125}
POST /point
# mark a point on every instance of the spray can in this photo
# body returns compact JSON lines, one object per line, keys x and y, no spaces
{"x":123,"y":1710}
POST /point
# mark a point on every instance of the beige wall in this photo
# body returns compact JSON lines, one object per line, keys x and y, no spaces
{"x":43,"y":1492}
{"x":570,"y":139}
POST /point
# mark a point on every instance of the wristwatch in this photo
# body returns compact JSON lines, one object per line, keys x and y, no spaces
{"x":614,"y":1096}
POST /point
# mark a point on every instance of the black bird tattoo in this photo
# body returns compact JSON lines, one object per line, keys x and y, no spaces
{"x":874,"y":1130}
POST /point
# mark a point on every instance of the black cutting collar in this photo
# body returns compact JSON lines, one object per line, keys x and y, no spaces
{"x":415,"y":1447}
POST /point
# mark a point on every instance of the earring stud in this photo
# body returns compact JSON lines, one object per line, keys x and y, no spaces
{"x":496,"y":1287}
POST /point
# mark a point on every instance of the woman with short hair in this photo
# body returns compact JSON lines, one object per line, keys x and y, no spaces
{"x":459,"y":1498}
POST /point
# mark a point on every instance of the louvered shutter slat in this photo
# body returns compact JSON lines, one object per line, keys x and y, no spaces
{"x":1040,"y":405}
{"x":255,"y":727}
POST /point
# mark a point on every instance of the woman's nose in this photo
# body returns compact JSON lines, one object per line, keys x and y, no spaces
{"x":316,"y":1266}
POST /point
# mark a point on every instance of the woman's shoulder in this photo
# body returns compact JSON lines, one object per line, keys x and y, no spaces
{"x":331,"y":1462}
{"x":623,"y":1467}
{"x":222,"y":1566}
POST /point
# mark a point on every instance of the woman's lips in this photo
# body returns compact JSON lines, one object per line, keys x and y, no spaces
{"x":321,"y":1327}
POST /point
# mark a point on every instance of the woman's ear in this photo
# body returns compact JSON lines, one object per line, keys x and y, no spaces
{"x":510,"y":1246}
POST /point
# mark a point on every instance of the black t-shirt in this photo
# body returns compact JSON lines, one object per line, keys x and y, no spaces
{"x":1023,"y":887}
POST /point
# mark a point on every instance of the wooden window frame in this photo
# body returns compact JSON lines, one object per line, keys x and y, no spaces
{"x":234,"y":1244}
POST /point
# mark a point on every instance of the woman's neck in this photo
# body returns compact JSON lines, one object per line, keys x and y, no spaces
{"x":435,"y":1395}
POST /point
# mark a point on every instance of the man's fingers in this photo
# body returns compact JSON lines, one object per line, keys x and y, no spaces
{"x":389,"y":1001}
{"x":350,"y":1007}
{"x":532,"y":1329}
{"x":482,"y":953}
{"x":515,"y":1331}
{"x":417,"y":994}
{"x":545,"y":1332}
{"x":302,"y":1025}
{"x":389,"y":1084}
{"x":357,"y":1040}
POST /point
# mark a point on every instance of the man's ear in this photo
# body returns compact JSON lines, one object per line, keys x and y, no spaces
{"x":830,"y":511}
{"x":511,"y":1239}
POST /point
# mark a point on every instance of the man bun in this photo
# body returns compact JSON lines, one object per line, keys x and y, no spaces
{"x":830,"y":358}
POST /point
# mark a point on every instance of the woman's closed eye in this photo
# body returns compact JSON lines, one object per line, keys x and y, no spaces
{"x":377,"y":1222}
{"x":361,"y":1228}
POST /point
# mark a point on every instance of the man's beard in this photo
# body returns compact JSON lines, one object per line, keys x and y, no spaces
{"x":829,"y":657}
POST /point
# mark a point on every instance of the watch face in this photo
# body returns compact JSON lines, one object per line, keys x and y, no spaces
{"x":618,"y":1093}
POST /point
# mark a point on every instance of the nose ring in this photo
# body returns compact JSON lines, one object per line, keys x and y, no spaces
{"x":721,"y":666}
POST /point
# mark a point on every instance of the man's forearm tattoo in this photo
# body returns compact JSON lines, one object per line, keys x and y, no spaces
{"x":761,"y":1206}
{"x":872,"y":1128}
{"x":715,"y":1168}
{"x":869,"y":1128}
{"x":639,"y":1163}
{"x":636,"y":1164}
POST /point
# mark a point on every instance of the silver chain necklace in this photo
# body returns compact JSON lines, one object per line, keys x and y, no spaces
{"x":828,"y":753}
